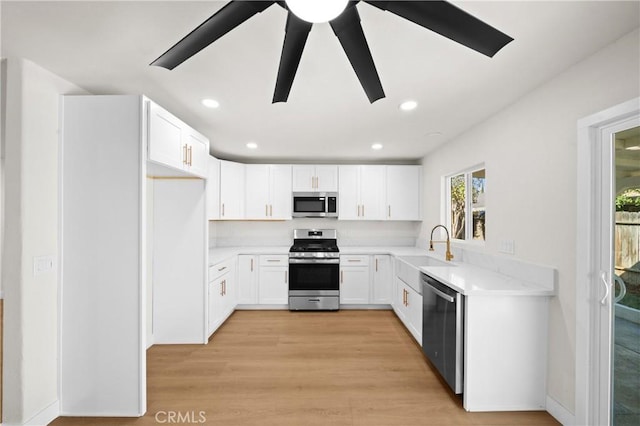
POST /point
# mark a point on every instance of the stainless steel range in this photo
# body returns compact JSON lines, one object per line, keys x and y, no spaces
{"x":314,"y":270}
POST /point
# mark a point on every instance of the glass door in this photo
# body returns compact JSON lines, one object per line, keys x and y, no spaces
{"x":625,"y":280}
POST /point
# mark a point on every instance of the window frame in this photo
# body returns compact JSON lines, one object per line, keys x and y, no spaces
{"x":468,"y":204}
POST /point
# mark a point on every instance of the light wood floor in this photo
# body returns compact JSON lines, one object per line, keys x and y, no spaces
{"x":304,"y":368}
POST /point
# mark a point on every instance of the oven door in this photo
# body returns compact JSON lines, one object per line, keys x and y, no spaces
{"x":318,"y":277}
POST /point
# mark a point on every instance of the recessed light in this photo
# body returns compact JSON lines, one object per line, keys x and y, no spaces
{"x":408,"y":105}
{"x":210,"y":103}
{"x":376,"y":146}
{"x":252,"y":145}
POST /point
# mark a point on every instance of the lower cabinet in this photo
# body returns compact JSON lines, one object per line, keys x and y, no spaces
{"x":221,"y":293}
{"x":354,"y":279}
{"x":248,"y":279}
{"x":382,"y":280}
{"x":273,"y":280}
{"x":408,"y":307}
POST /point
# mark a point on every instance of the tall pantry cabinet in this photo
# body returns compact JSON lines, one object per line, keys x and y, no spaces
{"x":129,"y":209}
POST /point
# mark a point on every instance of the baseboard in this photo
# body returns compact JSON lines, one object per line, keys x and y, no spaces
{"x":560,"y":413}
{"x":43,"y":418}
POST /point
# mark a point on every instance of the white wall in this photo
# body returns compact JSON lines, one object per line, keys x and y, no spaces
{"x":529,"y":150}
{"x":30,"y":380}
{"x":350,"y":233}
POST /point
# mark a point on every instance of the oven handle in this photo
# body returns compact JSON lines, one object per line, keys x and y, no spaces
{"x":313,"y":261}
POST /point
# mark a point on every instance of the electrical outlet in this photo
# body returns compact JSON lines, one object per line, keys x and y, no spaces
{"x":507,"y":246}
{"x":42,"y":264}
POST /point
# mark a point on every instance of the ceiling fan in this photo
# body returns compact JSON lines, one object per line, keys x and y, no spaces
{"x":439,"y":16}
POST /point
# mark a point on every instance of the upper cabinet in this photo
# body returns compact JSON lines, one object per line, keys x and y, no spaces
{"x":361,"y":193}
{"x":267,"y":191}
{"x":174,"y":144}
{"x":213,"y":189}
{"x":380,"y":193}
{"x":403,"y":191}
{"x":310,"y":178}
{"x":231,"y":190}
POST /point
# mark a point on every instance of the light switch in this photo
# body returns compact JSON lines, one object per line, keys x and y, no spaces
{"x":42,"y":264}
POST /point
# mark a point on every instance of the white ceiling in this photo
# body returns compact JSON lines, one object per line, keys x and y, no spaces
{"x":105,"y":47}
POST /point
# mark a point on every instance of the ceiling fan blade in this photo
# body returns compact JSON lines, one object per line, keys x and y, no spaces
{"x":449,"y":21}
{"x":295,"y":38}
{"x":349,"y":31}
{"x":229,"y":17}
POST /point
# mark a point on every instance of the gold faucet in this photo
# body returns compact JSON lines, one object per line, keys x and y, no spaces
{"x":448,"y":254}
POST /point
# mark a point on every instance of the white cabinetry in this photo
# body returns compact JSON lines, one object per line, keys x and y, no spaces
{"x":354,"y":279}
{"x":408,"y":307}
{"x":247,"y":279}
{"x":221,"y":293}
{"x":174,"y":144}
{"x":382,"y":289}
{"x":273,"y":286}
{"x":213,"y":189}
{"x":361,"y":192}
{"x":232,"y":178}
{"x":140,"y":233}
{"x":403,"y":190}
{"x":267,"y":191}
{"x":310,"y":178}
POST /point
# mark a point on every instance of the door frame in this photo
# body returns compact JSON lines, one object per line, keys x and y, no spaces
{"x":595,"y":180}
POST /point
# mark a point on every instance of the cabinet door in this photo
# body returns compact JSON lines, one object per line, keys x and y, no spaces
{"x":165,"y":137}
{"x":280,"y":192}
{"x":354,"y":285}
{"x":231,"y":190}
{"x":303,"y":178}
{"x":213,"y":189}
{"x":247,"y":280}
{"x":326,"y":178}
{"x":257,"y":191}
{"x":348,"y":197}
{"x":414,"y":313}
{"x":274,"y":286}
{"x":382,"y":281}
{"x":197,"y":153}
{"x":215,"y":303}
{"x":372,"y":187}
{"x":403,"y":192}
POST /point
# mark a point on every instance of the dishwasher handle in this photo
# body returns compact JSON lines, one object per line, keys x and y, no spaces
{"x":445,"y":296}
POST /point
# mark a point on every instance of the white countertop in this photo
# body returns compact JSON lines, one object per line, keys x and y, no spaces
{"x":468,"y":279}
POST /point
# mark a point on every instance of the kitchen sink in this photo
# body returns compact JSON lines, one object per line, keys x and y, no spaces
{"x":408,"y":269}
{"x":418,"y":261}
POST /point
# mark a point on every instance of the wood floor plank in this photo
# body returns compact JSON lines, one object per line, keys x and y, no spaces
{"x":304,"y":368}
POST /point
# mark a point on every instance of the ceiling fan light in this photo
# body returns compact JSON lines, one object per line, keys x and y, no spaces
{"x":317,"y":11}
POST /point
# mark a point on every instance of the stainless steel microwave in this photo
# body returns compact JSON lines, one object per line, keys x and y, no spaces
{"x":315,"y":204}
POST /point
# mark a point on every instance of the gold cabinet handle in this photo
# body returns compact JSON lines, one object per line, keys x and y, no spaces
{"x":222,"y":209}
{"x":389,"y":215}
{"x":185,"y":158}
{"x":273,"y":260}
{"x":354,"y":260}
{"x":190,"y":152}
{"x":251,"y":264}
{"x":285,"y":277}
{"x":271,"y":210}
{"x":222,"y":269}
{"x":222,"y":288}
{"x":266,"y":210}
{"x":376,"y":264}
{"x":341,"y":277}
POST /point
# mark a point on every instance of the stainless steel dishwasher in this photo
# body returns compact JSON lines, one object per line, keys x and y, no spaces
{"x":443,"y":330}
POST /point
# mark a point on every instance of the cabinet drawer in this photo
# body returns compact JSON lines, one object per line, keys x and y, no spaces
{"x":354,"y":260}
{"x":219,"y":269}
{"x":274,"y":260}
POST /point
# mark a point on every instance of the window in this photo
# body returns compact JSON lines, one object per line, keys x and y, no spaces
{"x":466,"y":205}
